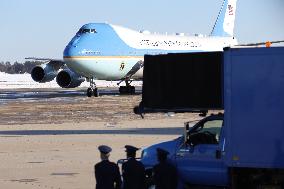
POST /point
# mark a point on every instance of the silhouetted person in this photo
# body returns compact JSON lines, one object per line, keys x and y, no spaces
{"x":164,"y":173}
{"x":106,"y":172}
{"x":133,"y":171}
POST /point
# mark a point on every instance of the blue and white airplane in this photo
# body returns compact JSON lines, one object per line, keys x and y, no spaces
{"x":110,"y":52}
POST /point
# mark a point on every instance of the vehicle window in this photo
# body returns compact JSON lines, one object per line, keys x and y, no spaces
{"x":209,"y":133}
{"x":213,"y":127}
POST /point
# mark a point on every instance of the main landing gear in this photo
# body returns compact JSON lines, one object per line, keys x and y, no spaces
{"x":128,"y":89}
{"x":92,"y":90}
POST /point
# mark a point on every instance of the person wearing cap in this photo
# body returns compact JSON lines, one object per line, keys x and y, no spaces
{"x":164,"y":173}
{"x":133,"y":171}
{"x":107,"y":173}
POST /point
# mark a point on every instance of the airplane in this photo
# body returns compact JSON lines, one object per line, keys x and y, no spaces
{"x":110,"y":52}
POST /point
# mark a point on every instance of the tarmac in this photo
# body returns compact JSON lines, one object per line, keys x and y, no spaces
{"x":49,"y":137}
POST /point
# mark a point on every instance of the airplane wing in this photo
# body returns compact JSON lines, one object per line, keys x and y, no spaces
{"x":56,"y":63}
{"x":261,"y":43}
{"x":43,"y":59}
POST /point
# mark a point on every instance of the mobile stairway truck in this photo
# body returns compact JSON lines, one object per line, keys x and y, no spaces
{"x":242,"y":147}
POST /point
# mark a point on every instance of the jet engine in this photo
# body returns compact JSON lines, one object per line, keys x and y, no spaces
{"x":44,"y":73}
{"x":69,"y":79}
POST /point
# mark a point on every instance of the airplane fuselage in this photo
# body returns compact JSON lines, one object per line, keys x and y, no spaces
{"x":108,"y":52}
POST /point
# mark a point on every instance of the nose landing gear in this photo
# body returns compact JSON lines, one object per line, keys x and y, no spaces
{"x":92,"y":90}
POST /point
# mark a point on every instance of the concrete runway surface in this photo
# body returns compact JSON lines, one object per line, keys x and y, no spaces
{"x":49,"y":137}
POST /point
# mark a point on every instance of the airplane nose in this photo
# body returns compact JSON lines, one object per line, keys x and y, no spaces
{"x":72,"y":49}
{"x":75,"y":41}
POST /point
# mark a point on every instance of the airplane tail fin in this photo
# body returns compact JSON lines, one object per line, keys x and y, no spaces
{"x":224,"y":25}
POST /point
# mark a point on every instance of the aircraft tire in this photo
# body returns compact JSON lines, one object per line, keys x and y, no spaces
{"x":122,"y":89}
{"x":90,"y":92}
{"x":127,"y":90}
{"x":132,"y":89}
{"x":96,"y":93}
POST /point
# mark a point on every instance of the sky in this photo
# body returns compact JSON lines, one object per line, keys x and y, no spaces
{"x":42,"y":28}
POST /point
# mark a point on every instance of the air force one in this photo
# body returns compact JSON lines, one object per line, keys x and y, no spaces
{"x":110,"y":52}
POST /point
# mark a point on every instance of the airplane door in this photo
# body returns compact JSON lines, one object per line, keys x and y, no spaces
{"x":202,"y":163}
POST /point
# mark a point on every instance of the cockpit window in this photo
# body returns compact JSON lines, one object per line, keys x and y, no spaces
{"x":93,"y":31}
{"x":87,"y":31}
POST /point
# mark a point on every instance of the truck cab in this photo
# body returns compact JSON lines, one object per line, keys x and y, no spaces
{"x":197,"y":154}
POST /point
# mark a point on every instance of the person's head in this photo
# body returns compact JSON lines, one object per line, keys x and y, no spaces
{"x":130,"y":151}
{"x":105,"y":156}
{"x":105,"y":152}
{"x":162,"y":155}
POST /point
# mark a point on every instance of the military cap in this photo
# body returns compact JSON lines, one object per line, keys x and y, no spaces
{"x":162,"y":152}
{"x":104,"y":149}
{"x":130,"y":148}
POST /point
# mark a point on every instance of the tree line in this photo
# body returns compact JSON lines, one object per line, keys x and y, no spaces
{"x":18,"y":68}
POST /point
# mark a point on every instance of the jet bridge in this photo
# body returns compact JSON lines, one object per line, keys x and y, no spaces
{"x":182,"y":82}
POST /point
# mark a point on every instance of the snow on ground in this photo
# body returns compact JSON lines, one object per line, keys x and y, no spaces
{"x":13,"y":81}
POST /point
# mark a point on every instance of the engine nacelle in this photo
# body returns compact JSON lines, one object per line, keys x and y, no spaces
{"x":69,"y":79}
{"x":43,"y":73}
